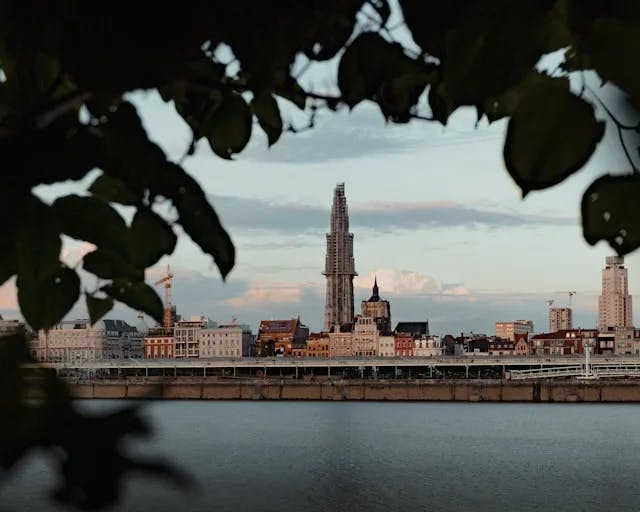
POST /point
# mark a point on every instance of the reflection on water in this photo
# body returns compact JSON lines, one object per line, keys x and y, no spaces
{"x":318,"y":456}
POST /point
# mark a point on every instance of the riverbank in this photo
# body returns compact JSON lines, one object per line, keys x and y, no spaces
{"x":391,"y":390}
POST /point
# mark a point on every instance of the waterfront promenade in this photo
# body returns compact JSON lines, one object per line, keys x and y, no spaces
{"x":470,"y":366}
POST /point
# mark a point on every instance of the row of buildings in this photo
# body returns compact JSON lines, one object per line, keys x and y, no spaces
{"x":368,"y":333}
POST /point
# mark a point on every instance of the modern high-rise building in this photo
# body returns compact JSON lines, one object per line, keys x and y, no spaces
{"x":508,"y":330}
{"x":614,"y":304}
{"x":339,"y":265}
{"x":560,"y":318}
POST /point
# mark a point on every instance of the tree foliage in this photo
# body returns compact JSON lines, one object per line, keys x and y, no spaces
{"x":67,"y":66}
{"x":64,"y":57}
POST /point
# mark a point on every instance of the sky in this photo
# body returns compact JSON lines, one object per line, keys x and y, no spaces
{"x":434,"y":213}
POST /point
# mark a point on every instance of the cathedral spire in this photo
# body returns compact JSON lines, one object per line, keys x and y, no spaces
{"x":376,"y":292}
{"x":339,"y":264}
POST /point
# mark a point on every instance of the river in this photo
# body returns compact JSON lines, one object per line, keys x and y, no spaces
{"x":357,"y":456}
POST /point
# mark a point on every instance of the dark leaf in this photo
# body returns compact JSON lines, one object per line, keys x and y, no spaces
{"x":430,"y":20}
{"x":610,"y":212}
{"x":292,"y":91}
{"x":201,"y":222}
{"x":150,"y":237}
{"x":128,"y":142}
{"x":98,"y":307}
{"x":266,"y":110}
{"x":44,"y":302}
{"x":551,"y":135}
{"x":113,"y":190}
{"x":335,"y":24}
{"x":372,"y":68}
{"x":8,"y":265}
{"x":37,"y":242}
{"x":110,"y":265}
{"x":611,"y":48}
{"x":506,"y":104}
{"x":136,"y":295}
{"x":88,"y":218}
{"x":228,"y":130}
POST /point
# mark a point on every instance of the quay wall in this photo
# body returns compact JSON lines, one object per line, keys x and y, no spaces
{"x":379,"y":390}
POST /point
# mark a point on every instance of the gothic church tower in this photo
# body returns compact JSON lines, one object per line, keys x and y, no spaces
{"x":339,"y":265}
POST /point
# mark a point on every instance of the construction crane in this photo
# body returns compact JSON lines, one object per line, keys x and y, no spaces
{"x":571,"y":294}
{"x":549,"y":302}
{"x":167,"y":317}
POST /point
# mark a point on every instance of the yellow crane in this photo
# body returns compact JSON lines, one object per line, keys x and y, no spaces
{"x":167,"y":317}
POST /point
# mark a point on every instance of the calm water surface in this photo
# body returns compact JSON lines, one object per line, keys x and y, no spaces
{"x":318,"y":456}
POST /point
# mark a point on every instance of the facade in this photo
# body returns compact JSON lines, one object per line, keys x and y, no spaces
{"x":318,"y":345}
{"x":403,"y":342}
{"x":614,"y":303}
{"x":341,"y":344}
{"x":339,"y":265}
{"x":159,"y":344}
{"x":231,"y":340}
{"x":280,"y":336}
{"x":508,"y":330}
{"x":563,"y":342}
{"x":11,"y":327}
{"x":624,"y":340}
{"x":378,"y":309}
{"x":521,"y":345}
{"x":501,"y":347}
{"x":560,"y":318}
{"x":77,"y":341}
{"x":186,"y":338}
{"x":427,"y":346}
{"x":386,"y":346}
{"x":365,"y":336}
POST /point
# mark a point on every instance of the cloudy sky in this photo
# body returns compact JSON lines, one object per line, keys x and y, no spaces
{"x":434,"y":213}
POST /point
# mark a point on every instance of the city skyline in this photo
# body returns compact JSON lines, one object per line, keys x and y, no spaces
{"x":435,"y":216}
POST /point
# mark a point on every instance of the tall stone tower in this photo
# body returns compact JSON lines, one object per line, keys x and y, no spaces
{"x":378,"y":309}
{"x":339,"y":265}
{"x":614,"y":305}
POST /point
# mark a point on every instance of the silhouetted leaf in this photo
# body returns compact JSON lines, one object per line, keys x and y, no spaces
{"x":266,"y":109}
{"x":98,"y":307}
{"x":44,"y":302}
{"x":202,"y":224}
{"x":228,"y":130}
{"x":551,"y":135}
{"x":334,"y":25}
{"x":610,"y":212}
{"x":110,"y":265}
{"x":37,"y":242}
{"x":150,"y":237}
{"x":110,"y":189}
{"x":8,"y":266}
{"x":128,"y":142}
{"x":292,"y":91}
{"x":87,"y":218}
{"x":611,"y":47}
{"x":136,"y":295}
{"x":372,"y":68}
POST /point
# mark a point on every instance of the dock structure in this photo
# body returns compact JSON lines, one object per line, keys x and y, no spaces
{"x":450,"y":367}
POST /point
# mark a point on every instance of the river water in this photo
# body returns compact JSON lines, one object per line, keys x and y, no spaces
{"x":355,"y":456}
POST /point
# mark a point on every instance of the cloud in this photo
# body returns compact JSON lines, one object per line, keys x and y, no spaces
{"x":406,"y":282}
{"x":364,"y":129}
{"x":260,"y":215}
{"x":263,"y":294}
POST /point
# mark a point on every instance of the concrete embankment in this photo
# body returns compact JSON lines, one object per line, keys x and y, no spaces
{"x":417,"y":390}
